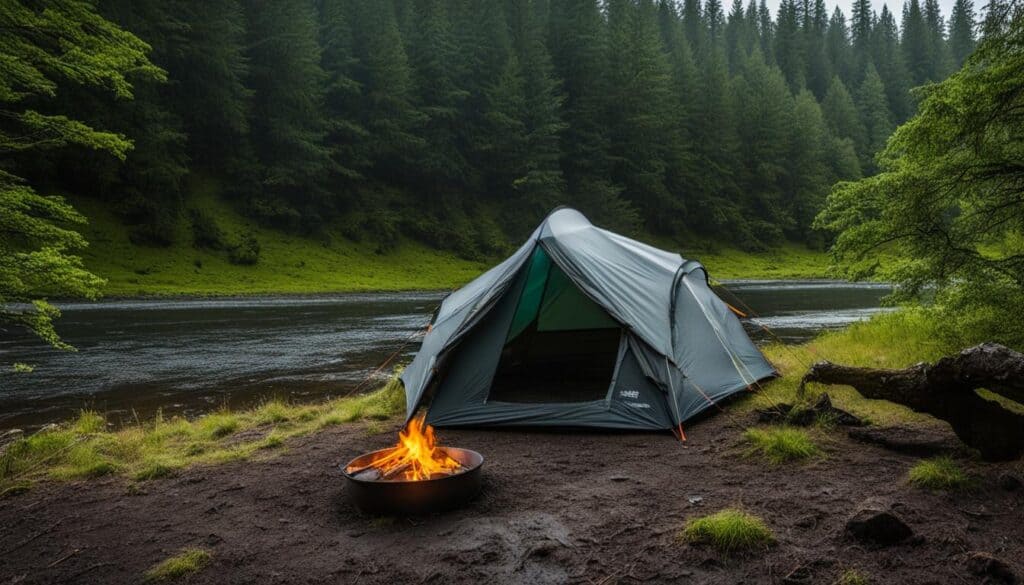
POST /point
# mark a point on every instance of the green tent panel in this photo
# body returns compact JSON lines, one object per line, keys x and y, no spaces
{"x":582,"y":327}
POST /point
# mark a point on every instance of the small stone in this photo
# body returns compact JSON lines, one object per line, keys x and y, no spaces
{"x":992,"y":568}
{"x":694,"y":500}
{"x":798,"y":576}
{"x":875,"y":524}
{"x":1010,"y":482}
{"x":618,"y":478}
{"x":808,"y":521}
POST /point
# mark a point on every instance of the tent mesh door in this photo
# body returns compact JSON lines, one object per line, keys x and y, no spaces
{"x":561,"y":346}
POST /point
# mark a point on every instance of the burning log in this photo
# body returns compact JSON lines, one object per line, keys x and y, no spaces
{"x":946,"y":390}
{"x":416,"y":457}
{"x":415,"y":476}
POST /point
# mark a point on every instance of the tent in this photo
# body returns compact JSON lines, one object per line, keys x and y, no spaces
{"x":582,"y":327}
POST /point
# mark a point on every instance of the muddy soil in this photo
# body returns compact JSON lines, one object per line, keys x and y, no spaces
{"x":556,"y":508}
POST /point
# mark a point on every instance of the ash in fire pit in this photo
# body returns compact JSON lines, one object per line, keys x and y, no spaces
{"x":414,"y":477}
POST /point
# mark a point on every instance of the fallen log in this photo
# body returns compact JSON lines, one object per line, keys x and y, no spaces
{"x":947,"y":390}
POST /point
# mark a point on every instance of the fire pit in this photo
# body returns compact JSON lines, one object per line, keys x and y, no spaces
{"x":414,"y":477}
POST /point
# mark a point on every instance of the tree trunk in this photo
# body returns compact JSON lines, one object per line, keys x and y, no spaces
{"x":946,"y":390}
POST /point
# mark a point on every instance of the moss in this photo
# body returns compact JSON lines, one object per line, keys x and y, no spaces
{"x":189,"y":561}
{"x":781,"y":444}
{"x":730,"y":530}
{"x":939,"y":473}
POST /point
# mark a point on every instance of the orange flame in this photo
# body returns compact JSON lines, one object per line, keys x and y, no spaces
{"x":416,"y":457}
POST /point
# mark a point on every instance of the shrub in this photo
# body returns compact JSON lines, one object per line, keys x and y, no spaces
{"x":940,"y":473}
{"x":246,"y":252}
{"x":189,"y":561}
{"x":781,"y":444}
{"x":729,"y":530}
{"x":205,"y":231}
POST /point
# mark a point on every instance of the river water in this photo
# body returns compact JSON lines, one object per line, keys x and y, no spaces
{"x":189,"y":356}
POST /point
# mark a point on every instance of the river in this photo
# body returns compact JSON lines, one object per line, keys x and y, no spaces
{"x":189,"y":356}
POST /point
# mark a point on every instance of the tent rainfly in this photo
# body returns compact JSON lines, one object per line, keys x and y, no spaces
{"x":582,"y":327}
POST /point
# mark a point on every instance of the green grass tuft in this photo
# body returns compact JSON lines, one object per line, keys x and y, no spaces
{"x":779,"y":445}
{"x":852,"y":577}
{"x":189,"y":561}
{"x":939,"y":473}
{"x":728,"y":531}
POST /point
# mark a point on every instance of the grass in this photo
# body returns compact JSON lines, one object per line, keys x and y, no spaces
{"x":852,"y":577}
{"x":888,"y":340}
{"x":939,"y":473}
{"x":779,"y":445}
{"x":189,"y":561}
{"x":729,"y":531}
{"x":330,"y":262}
{"x":288,"y":263}
{"x":87,"y":448}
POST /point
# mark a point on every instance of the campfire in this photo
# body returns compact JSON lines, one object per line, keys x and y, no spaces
{"x":416,"y":476}
{"x":416,"y":457}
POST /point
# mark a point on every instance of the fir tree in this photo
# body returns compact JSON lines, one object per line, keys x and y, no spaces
{"x":874,"y":113}
{"x":962,"y":37}
{"x":287,"y":120}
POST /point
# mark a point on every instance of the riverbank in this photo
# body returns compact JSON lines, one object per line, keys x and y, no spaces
{"x":89,"y":447}
{"x":280,"y":508}
{"x":332,"y":263}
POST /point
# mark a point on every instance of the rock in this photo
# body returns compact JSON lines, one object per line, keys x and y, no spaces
{"x":993,"y":569}
{"x":1010,"y":482}
{"x":798,"y":576}
{"x":875,"y":523}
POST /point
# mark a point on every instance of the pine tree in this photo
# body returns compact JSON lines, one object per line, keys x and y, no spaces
{"x":693,"y":24}
{"x":837,"y":46}
{"x":579,"y":51}
{"x":916,"y":46}
{"x":763,"y":119}
{"x":386,"y":109}
{"x":874,"y":113}
{"x":209,"y":70}
{"x":962,"y":36}
{"x":888,"y":61}
{"x":438,"y":96}
{"x":841,"y":115}
{"x":287,"y":120}
{"x":862,"y":24}
{"x":542,"y":184}
{"x":790,"y":50}
{"x":942,"y":58}
{"x":808,"y":174}
{"x":346,"y":137}
{"x":818,"y":68}
{"x":766,"y":30}
{"x":644,"y":139}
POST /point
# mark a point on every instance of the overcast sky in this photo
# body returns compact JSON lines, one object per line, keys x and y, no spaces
{"x":896,"y":6}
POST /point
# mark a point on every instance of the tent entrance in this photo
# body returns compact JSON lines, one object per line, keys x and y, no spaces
{"x":560,"y":347}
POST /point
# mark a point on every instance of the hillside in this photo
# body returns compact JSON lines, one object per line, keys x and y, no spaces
{"x":290,"y":263}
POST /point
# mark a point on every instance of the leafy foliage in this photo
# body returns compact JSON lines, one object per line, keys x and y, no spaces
{"x":947,"y":205}
{"x":41,"y":48}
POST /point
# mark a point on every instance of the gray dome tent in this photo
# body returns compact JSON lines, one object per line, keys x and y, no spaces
{"x":582,"y":327}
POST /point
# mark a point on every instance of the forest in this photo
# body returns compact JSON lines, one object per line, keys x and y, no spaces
{"x":462,"y":123}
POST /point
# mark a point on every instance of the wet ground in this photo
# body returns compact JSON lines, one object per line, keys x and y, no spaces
{"x":582,"y":508}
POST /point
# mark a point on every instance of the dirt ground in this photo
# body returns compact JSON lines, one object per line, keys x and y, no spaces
{"x":556,"y":508}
